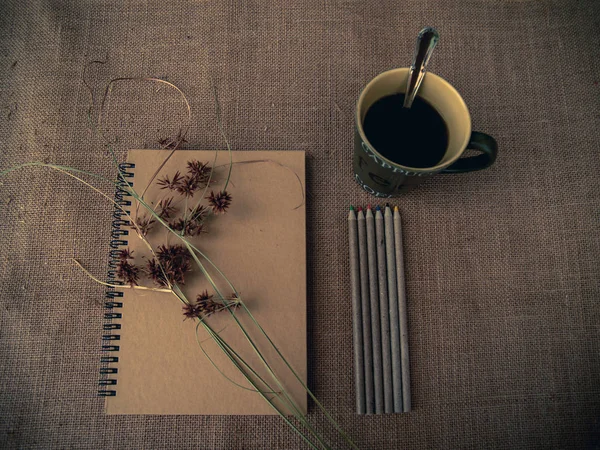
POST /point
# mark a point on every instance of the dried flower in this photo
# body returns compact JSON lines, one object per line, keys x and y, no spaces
{"x":144,"y":225}
{"x":187,"y":186}
{"x":171,"y":252}
{"x":189,"y":228}
{"x":206,"y":305}
{"x":199,"y":213}
{"x":199,"y":228}
{"x":175,"y":260}
{"x":234,"y":300}
{"x":125,"y":254}
{"x":177,"y":225}
{"x":165,"y":209}
{"x":156,"y":274}
{"x":172,"y":143}
{"x":199,"y":171}
{"x":204,"y":296}
{"x":127,"y":272}
{"x":173,"y":184}
{"x":219,"y":201}
{"x":190,"y":311}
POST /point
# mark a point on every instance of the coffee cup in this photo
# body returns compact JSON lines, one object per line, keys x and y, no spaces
{"x":385,"y":173}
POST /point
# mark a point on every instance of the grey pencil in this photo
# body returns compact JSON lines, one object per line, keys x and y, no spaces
{"x":375,"y":317}
{"x":406,"y":400}
{"x":367,"y":344}
{"x":384,"y":311}
{"x":390,"y":253}
{"x":359,"y":370}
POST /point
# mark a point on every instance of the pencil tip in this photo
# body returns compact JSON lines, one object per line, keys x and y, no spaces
{"x":351,"y":208}
{"x":387,"y":205}
{"x":359,"y":208}
{"x":369,"y":206}
{"x":377,"y":208}
{"x":395,"y":208}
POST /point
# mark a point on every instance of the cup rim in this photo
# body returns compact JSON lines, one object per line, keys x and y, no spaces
{"x":437,"y":79}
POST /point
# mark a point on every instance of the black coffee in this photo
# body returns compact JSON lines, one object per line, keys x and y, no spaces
{"x":415,"y":137}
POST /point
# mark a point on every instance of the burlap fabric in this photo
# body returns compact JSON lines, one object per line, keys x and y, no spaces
{"x":503,"y":270}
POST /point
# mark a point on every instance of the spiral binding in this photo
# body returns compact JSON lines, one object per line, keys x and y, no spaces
{"x":111,"y":302}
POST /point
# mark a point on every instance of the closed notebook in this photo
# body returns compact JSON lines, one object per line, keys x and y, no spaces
{"x":260,"y":245}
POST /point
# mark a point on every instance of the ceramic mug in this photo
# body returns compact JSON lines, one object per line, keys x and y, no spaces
{"x":383,"y":177}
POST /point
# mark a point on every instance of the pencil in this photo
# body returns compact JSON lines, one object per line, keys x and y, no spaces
{"x":375,"y":317}
{"x":367,"y":344}
{"x":390,"y":253}
{"x":359,"y":371}
{"x":406,"y":398}
{"x":384,"y":310}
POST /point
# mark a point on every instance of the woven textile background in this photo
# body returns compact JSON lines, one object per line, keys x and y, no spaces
{"x":503,"y":266}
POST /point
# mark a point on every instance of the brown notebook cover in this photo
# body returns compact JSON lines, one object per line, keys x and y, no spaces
{"x":260,"y":245}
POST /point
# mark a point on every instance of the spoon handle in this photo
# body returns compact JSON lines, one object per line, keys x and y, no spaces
{"x":426,"y":42}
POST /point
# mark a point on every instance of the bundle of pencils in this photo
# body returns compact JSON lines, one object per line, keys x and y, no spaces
{"x":381,"y":363}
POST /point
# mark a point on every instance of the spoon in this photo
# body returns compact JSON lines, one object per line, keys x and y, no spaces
{"x":426,"y":41}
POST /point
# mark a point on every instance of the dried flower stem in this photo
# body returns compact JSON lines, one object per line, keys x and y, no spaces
{"x":277,"y":163}
{"x":288,"y":400}
{"x":97,"y":127}
{"x":216,"y":366}
{"x":232,"y":357}
{"x":217,"y":338}
{"x":264,"y":333}
{"x":181,"y":135}
{"x":66,"y":171}
{"x":223,"y":135}
{"x":263,"y":395}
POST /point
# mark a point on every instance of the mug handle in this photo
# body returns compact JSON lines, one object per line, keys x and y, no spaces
{"x":481,"y":142}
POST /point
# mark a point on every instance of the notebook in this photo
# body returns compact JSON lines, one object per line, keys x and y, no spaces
{"x":153,"y":363}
